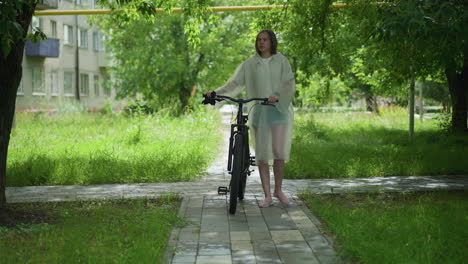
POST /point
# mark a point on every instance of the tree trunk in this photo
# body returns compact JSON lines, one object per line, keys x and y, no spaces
{"x":458,"y":83}
{"x":10,"y":77}
{"x":184,"y":94}
{"x":372,"y":105}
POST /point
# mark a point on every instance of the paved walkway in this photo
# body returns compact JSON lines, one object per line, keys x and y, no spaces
{"x":269,"y":235}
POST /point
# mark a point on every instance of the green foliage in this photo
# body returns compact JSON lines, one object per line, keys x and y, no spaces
{"x":12,"y":26}
{"x":373,"y":46}
{"x":121,"y":231}
{"x":421,"y":37}
{"x":138,"y":108}
{"x":435,"y":90}
{"x":10,"y":29}
{"x":361,"y":145}
{"x":92,"y":149}
{"x":168,"y":57}
{"x":316,"y":90}
{"x":368,"y":77}
{"x":444,"y":123}
{"x":396,"y":228}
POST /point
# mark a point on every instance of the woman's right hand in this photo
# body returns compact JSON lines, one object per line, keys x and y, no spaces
{"x":208,"y":94}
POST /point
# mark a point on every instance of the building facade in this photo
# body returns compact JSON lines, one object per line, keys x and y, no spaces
{"x":73,"y":60}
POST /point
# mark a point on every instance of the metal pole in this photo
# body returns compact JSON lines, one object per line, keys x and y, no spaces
{"x":411,"y":105}
{"x":421,"y":103}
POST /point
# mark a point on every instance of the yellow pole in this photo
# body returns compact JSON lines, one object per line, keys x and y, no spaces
{"x":158,"y":10}
{"x":161,"y":10}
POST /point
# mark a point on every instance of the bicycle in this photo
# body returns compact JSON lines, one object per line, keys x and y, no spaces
{"x":239,"y":159}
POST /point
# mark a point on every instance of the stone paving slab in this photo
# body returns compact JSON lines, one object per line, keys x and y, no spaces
{"x":201,"y":188}
{"x":268,"y":246}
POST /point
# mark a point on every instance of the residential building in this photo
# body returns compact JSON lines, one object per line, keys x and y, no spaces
{"x":73,"y":56}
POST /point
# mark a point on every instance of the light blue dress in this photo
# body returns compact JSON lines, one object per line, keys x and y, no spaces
{"x":271,"y":127}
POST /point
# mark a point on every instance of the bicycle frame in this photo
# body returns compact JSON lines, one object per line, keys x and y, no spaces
{"x":241,"y":121}
{"x":239,"y":159}
{"x":239,"y":128}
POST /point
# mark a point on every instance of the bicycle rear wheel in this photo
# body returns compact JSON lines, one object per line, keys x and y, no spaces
{"x":236,"y":173}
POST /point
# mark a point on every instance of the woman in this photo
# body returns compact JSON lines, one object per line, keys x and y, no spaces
{"x":268,"y":74}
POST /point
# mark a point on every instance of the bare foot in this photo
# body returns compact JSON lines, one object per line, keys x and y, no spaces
{"x":282,"y":197}
{"x":266,"y":203}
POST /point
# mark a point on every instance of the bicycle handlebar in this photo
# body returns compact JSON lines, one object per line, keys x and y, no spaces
{"x":213,"y":98}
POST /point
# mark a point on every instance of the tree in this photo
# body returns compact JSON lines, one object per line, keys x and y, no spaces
{"x":15,"y":17}
{"x":407,"y":39}
{"x":321,"y":39}
{"x":368,"y":77}
{"x":165,"y":58}
{"x":412,"y":39}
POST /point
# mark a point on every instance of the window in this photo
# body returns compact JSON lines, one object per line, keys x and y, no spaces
{"x":68,"y":83}
{"x":54,"y":83}
{"x":67,"y":34}
{"x":106,"y":85}
{"x":53,"y":28}
{"x":84,"y":84}
{"x":98,"y":41}
{"x":36,"y":23}
{"x":94,"y":4}
{"x":20,"y":88}
{"x":38,"y":81}
{"x":107,"y":89}
{"x":96,"y":85}
{"x":104,"y":40}
{"x":82,"y":38}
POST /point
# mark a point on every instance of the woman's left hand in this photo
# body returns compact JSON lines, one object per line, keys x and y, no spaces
{"x":272,"y":99}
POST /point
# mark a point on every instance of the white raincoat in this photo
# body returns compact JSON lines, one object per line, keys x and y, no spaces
{"x":271,"y":127}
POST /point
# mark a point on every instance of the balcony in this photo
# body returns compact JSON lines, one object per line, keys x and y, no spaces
{"x":45,"y":48}
{"x":47,"y":4}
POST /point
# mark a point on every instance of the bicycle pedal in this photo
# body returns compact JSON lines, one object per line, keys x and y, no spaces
{"x":222,"y":190}
{"x":252,"y":161}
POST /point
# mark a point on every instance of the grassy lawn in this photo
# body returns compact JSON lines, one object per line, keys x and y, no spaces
{"x":397,"y":228}
{"x":340,"y":145}
{"x":124,"y":231}
{"x":94,"y":148}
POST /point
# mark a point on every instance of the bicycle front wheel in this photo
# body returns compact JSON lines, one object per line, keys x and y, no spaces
{"x":236,"y":173}
{"x":245,"y":167}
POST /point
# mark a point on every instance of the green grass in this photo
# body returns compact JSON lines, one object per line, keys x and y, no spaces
{"x":397,"y":228}
{"x":340,"y":145}
{"x":95,"y":148}
{"x":125,"y":231}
